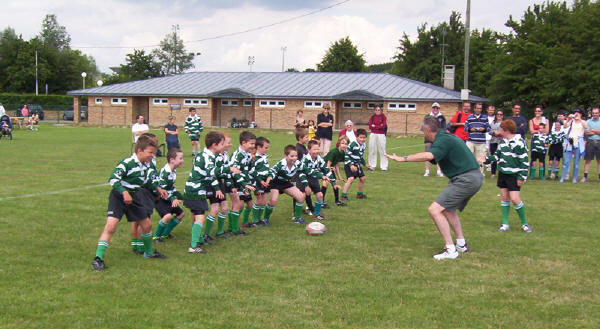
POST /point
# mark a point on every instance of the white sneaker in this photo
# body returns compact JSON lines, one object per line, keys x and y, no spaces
{"x":196,"y":250}
{"x":583,"y":180}
{"x":464,"y":248}
{"x":504,"y":228}
{"x":527,"y":228}
{"x":446,"y":254}
{"x":426,"y":174}
{"x":439,"y":174}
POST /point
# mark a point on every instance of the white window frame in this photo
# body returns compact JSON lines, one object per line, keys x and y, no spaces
{"x":160,"y":101}
{"x":98,"y":100}
{"x":371,"y":106}
{"x":118,"y":100}
{"x":401,"y":106}
{"x":313,"y":104}
{"x":271,"y":103}
{"x":229,"y":102}
{"x":351,"y":105}
{"x":195,"y":101}
{"x":247,"y":102}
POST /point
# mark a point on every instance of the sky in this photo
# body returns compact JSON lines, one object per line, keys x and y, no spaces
{"x":374,"y":26}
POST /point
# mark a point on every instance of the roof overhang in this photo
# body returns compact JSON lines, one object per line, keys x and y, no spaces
{"x":230,"y":93}
{"x":358,"y":94}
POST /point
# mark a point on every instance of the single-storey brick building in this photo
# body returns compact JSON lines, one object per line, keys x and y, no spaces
{"x":270,"y":99}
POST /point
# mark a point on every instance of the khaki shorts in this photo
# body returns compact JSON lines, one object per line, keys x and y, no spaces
{"x":478,"y":149}
{"x":460,"y":189}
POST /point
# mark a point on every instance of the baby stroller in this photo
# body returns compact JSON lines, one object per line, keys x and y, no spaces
{"x":5,"y":127}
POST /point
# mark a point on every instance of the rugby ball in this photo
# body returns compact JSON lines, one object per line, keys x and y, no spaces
{"x":315,"y":228}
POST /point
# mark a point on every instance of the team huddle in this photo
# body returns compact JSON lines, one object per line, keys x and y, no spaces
{"x":138,"y":188}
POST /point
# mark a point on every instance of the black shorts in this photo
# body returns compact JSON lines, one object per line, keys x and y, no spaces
{"x":314,"y":184}
{"x":356,"y":174}
{"x":592,"y":150}
{"x":148,"y":199}
{"x":163,"y":207}
{"x":194,"y":139}
{"x":198,"y":207}
{"x":135,"y":212}
{"x":280,"y":185}
{"x":508,"y":181}
{"x":243,"y":196}
{"x":538,"y":156}
{"x":555,"y":152}
{"x":261,"y":189}
{"x":212,"y":198}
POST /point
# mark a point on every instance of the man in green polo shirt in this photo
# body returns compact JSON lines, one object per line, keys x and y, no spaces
{"x":459,"y":165}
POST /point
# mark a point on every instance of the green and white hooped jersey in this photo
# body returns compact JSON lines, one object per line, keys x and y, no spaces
{"x":166,"y":181}
{"x":354,"y":154}
{"x":280,"y":171}
{"x":203,"y":175}
{"x":193,"y":126}
{"x":538,"y":143}
{"x":130,"y":175}
{"x":260,"y":167}
{"x":316,"y":168}
{"x":243,"y":161}
{"x":511,"y":157}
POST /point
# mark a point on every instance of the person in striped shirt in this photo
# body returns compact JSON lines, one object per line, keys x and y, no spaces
{"x":315,"y":168}
{"x":218,"y":207}
{"x":129,"y":177}
{"x":539,"y":144}
{"x":166,"y":208}
{"x":353,"y":160}
{"x":333,"y":158}
{"x":280,"y":181}
{"x":477,"y":126}
{"x":261,"y":174}
{"x":193,"y":127}
{"x":555,"y":151}
{"x":513,"y":165}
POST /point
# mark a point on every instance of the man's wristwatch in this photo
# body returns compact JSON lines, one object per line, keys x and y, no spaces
{"x":405,"y":158}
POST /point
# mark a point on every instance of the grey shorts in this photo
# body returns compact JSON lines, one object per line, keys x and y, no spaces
{"x":460,"y":189}
{"x":592,"y":150}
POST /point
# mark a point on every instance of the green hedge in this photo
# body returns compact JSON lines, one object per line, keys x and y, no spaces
{"x":12,"y":101}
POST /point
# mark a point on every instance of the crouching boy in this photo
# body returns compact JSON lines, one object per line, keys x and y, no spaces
{"x":169,"y":207}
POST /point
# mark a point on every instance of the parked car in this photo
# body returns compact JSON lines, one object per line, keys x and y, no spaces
{"x":33,"y":108}
{"x":70,"y":114}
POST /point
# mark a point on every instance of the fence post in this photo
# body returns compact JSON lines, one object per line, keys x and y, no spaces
{"x":406,"y":124}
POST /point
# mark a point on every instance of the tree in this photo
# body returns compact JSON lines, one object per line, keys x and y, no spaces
{"x":172,"y":55}
{"x":291,"y":69}
{"x":383,"y":67}
{"x":54,"y":35}
{"x":342,"y":56}
{"x":139,"y":66}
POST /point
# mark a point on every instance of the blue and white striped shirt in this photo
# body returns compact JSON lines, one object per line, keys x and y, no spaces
{"x":477,"y":122}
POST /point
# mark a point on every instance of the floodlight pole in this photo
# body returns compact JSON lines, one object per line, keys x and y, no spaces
{"x":36,"y":75}
{"x":467,"y":42}
{"x":283,"y":49}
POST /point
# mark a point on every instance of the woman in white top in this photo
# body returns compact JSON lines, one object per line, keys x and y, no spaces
{"x":349,"y":131}
{"x":573,"y":145}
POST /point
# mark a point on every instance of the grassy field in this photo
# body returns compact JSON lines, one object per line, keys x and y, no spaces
{"x":372,"y":269}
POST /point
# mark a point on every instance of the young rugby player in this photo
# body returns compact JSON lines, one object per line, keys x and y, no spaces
{"x":242,"y":160}
{"x":166,"y":208}
{"x":193,"y":127}
{"x":219,"y":207}
{"x":333,"y":158}
{"x":261,"y":174}
{"x":314,"y":168}
{"x":539,"y":144}
{"x":555,"y":152}
{"x":130,"y":175}
{"x":302,"y":140}
{"x":353,"y":160}
{"x":513,"y":165}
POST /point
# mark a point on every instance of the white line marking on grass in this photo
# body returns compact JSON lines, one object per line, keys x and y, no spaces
{"x":52,"y":192}
{"x":406,"y":146}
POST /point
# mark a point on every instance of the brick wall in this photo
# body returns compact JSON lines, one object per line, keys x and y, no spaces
{"x":284,"y":118}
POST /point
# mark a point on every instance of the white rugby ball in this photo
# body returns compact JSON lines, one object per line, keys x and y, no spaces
{"x":315,"y":228}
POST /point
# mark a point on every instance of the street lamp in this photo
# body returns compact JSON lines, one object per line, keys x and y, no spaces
{"x":99,"y":83}
{"x":250,"y":62}
{"x":83,"y":75}
{"x":283,"y":49}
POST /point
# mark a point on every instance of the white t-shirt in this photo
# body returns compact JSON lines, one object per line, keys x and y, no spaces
{"x":137,"y":128}
{"x":351,"y":136}
{"x":2,"y":111}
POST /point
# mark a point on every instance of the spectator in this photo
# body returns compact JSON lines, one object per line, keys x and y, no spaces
{"x":139,"y":128}
{"x":592,"y":146}
{"x":457,"y":123}
{"x":378,"y":128}
{"x":520,"y":120}
{"x":348,"y":132}
{"x":25,"y":111}
{"x":2,"y":110}
{"x":435,"y":113}
{"x":495,"y":138}
{"x":325,"y":129}
{"x":172,"y":134}
{"x":312,"y":129}
{"x":491,"y":110}
{"x":573,"y":145}
{"x":476,"y":127}
{"x":300,"y":121}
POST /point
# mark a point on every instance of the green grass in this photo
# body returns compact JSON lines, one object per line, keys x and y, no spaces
{"x":372,"y":269}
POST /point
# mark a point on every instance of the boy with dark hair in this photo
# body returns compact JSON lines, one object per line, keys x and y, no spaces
{"x":130,"y":175}
{"x":513,"y":164}
{"x":302,"y":140}
{"x":193,"y":127}
{"x":539,"y":144}
{"x":242,"y":160}
{"x":353,"y":160}
{"x":261,"y":174}
{"x":314,"y":168}
{"x":333,"y":158}
{"x":202,"y":177}
{"x":280,"y":180}
{"x":219,"y":207}
{"x":555,"y":151}
{"x":167,"y":207}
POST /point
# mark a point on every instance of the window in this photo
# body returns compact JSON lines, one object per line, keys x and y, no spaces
{"x":116,"y":100}
{"x":160,"y":101}
{"x":195,"y":101}
{"x":98,"y":100}
{"x":313,"y":104}
{"x":229,"y":102}
{"x":247,"y":102}
{"x":371,"y":106}
{"x":350,"y":105}
{"x":271,"y":103}
{"x":402,"y":106}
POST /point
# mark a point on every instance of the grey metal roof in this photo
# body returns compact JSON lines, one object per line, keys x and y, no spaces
{"x":321,"y":85}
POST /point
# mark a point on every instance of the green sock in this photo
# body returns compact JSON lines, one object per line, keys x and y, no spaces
{"x":359,"y":193}
{"x":196,"y":234}
{"x":550,"y":171}
{"x":235,"y":221}
{"x":542,"y":171}
{"x":261,"y":211}
{"x":245,"y":215}
{"x":220,"y":223}
{"x":255,"y":213}
{"x":102,"y":245}
{"x":170,"y":226}
{"x":298,"y":210}
{"x":344,"y":194}
{"x":147,"y":239}
{"x":505,"y":209}
{"x":532,"y":172}
{"x":520,"y":208}
{"x":137,"y":244}
{"x":269,"y":211}
{"x":160,"y":228}
{"x":230,"y":221}
{"x":209,"y":223}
